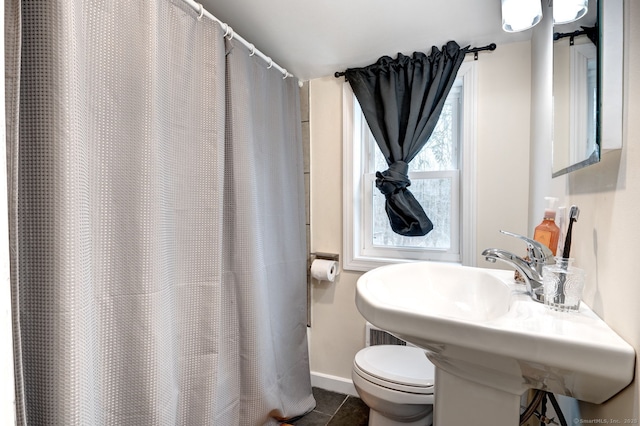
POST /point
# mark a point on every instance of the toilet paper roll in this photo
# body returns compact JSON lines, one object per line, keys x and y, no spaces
{"x":324,"y":270}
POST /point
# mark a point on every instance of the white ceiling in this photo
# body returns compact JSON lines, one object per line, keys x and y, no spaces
{"x":316,"y":39}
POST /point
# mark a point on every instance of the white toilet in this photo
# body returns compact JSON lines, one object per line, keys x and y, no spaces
{"x":397,"y":384}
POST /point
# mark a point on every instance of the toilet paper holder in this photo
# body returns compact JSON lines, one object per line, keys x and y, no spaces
{"x":322,"y":256}
{"x":325,"y":256}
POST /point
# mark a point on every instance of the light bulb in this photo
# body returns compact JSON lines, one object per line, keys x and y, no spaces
{"x":520,"y":15}
{"x":565,"y":11}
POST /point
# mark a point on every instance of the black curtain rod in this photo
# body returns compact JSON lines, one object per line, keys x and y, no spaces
{"x":558,"y":36}
{"x":591,"y":32}
{"x":473,"y":50}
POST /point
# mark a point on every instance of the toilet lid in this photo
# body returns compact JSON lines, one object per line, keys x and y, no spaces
{"x":404,"y":365}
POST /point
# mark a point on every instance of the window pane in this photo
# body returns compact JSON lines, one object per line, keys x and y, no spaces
{"x":438,"y":154}
{"x":435,"y":197}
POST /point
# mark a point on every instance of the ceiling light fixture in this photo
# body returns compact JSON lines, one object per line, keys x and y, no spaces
{"x":565,"y":11}
{"x":520,"y":15}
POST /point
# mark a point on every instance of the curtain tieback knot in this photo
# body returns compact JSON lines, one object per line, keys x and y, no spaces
{"x":394,"y":179}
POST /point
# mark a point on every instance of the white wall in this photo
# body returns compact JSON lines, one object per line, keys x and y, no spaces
{"x":504,"y":76}
{"x":607,"y":234}
{"x":540,"y":184}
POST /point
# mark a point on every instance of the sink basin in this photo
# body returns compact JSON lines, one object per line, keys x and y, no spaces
{"x":480,"y":326}
{"x":442,"y":291}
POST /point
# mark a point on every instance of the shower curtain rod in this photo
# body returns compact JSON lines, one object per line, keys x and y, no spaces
{"x":473,"y":50}
{"x":232,"y":34}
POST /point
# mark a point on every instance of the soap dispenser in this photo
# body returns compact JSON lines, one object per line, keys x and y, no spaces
{"x":548,"y":232}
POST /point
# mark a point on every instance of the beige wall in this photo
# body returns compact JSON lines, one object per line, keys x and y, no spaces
{"x":607,"y":234}
{"x":503,"y":114}
{"x":504,"y":105}
{"x":337,"y":329}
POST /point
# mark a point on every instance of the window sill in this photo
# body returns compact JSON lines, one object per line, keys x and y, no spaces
{"x":367,"y":263}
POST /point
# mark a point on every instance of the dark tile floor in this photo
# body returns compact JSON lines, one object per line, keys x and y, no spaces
{"x":335,"y":409}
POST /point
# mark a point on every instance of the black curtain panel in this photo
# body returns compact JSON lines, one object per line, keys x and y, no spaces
{"x":402,"y":100}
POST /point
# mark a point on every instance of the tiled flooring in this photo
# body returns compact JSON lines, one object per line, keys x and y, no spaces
{"x":335,"y":409}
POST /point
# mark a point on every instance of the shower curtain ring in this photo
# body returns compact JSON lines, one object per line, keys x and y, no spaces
{"x":201,"y":11}
{"x":270,"y":63}
{"x":286,"y":73}
{"x":229,"y":32}
{"x":253,"y":50}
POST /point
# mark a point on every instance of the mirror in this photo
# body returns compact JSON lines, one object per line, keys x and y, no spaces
{"x":576,"y":99}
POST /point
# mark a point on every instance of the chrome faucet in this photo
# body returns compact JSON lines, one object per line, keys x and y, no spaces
{"x":531,"y":269}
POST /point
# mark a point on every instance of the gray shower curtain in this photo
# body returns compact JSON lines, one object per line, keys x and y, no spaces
{"x":158,"y":244}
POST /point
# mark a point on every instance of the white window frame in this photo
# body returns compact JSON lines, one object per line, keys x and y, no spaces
{"x":360,"y":256}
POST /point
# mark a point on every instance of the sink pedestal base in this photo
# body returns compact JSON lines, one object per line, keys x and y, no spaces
{"x":462,"y":402}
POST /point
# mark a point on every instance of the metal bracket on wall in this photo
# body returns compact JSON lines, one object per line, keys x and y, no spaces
{"x":325,"y":256}
{"x":312,"y":257}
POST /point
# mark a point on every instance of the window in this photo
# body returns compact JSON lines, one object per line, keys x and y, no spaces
{"x":441,"y":180}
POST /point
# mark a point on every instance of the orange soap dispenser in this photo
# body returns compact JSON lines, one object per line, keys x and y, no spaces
{"x":548,"y":232}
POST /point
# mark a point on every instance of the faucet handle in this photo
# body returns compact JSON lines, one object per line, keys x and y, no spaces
{"x":538,"y":252}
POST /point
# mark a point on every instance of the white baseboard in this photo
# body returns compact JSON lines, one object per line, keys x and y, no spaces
{"x":333,"y":383}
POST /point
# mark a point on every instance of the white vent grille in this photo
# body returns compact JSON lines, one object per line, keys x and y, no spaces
{"x":376,"y":336}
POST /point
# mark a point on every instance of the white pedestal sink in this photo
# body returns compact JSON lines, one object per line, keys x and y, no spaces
{"x":490,"y":342}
